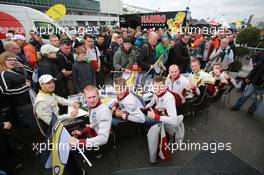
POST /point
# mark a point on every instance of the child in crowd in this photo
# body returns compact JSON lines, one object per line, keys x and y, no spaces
{"x":82,"y":72}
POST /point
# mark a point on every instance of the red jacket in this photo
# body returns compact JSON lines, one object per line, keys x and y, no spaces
{"x":31,"y":55}
{"x":215,"y":43}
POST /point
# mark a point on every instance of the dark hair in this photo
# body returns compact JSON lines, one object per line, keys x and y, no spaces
{"x":53,"y":36}
{"x":65,"y":41}
{"x":195,"y":60}
{"x":183,"y":35}
{"x":78,"y":44}
{"x":126,"y":40}
{"x":87,"y":36}
{"x":11,"y":31}
{"x":100,"y":35}
{"x":159,"y":79}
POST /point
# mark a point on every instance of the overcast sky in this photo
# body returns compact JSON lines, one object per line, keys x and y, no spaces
{"x":214,"y":9}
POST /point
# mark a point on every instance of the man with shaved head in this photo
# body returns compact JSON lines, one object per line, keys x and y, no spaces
{"x":100,"y":121}
{"x":179,"y":85}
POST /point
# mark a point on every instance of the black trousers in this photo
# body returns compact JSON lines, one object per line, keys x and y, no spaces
{"x":72,"y":167}
{"x":7,"y":160}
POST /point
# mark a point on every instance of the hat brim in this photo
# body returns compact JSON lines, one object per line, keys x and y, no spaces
{"x":55,"y":79}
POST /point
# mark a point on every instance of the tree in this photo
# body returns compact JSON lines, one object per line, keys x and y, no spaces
{"x":248,"y":36}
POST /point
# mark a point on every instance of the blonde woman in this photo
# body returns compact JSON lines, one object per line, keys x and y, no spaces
{"x":14,"y":85}
{"x":117,"y":40}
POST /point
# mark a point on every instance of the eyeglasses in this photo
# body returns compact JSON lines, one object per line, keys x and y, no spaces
{"x":10,"y":59}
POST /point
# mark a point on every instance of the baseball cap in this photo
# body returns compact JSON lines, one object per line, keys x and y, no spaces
{"x":48,"y":48}
{"x":45,"y":78}
{"x":18,"y":37}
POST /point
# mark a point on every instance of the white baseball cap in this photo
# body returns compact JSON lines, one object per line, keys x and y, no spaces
{"x":9,"y":35}
{"x":45,"y":78}
{"x":18,"y":37}
{"x":48,"y":48}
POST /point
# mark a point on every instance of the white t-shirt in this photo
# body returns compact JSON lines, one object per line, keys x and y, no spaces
{"x":91,"y":54}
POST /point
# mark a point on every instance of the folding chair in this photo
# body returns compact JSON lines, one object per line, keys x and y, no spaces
{"x":202,"y":103}
{"x":197,"y":100}
{"x":43,"y":127}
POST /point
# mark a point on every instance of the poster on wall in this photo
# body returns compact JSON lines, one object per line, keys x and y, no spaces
{"x":170,"y":20}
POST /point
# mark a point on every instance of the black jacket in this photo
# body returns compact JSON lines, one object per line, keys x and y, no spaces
{"x":5,"y":110}
{"x":179,"y":55}
{"x":13,"y":84}
{"x":2,"y":49}
{"x":48,"y":66}
{"x":102,"y":49}
{"x":82,"y":75}
{"x":256,"y":76}
{"x":64,"y":61}
{"x":146,"y":57}
{"x":114,"y":47}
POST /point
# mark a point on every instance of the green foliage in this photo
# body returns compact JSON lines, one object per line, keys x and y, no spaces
{"x":260,"y":44}
{"x":241,"y":51}
{"x":249,"y":36}
{"x":236,"y":66}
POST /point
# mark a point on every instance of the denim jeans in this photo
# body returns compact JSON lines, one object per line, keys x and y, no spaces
{"x":150,"y":122}
{"x":116,"y":121}
{"x":250,"y":90}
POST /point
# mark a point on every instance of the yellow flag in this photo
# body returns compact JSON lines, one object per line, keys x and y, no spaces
{"x":56,"y":12}
{"x":238,"y":23}
{"x":57,"y":165}
{"x":131,"y":80}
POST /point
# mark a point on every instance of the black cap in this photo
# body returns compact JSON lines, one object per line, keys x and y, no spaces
{"x":78,"y":43}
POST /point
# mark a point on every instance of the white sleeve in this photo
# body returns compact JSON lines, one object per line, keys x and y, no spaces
{"x":171,"y":118}
{"x":134,"y":113}
{"x":230,"y":58}
{"x":63,"y":101}
{"x":213,"y":54}
{"x":98,"y":52}
{"x":103,"y":131}
{"x":44,"y":112}
{"x":188,"y":85}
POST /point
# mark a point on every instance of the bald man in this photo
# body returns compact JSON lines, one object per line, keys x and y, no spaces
{"x":147,"y":56}
{"x":179,"y":85}
{"x":223,"y":55}
{"x":100,"y":121}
